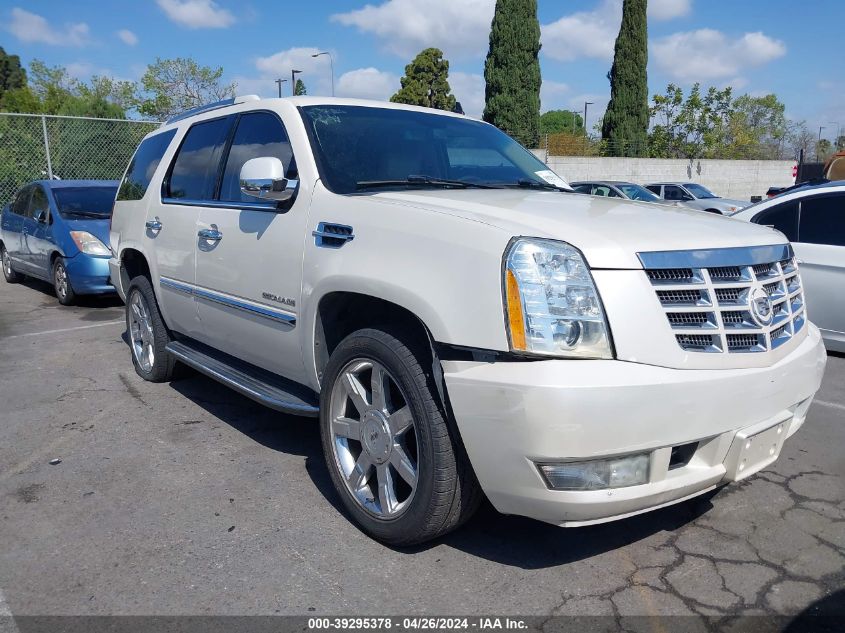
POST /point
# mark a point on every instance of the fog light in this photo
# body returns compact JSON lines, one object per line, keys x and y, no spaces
{"x":617,"y":472}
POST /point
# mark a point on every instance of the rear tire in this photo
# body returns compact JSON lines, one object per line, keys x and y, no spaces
{"x":61,"y":283}
{"x":10,"y":274}
{"x":148,"y":335}
{"x":396,"y":462}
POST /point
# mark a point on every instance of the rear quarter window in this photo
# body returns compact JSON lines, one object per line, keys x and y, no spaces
{"x":143,"y":165}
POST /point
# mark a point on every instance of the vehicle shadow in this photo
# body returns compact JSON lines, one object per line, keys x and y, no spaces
{"x":82,"y":301}
{"x":507,"y":540}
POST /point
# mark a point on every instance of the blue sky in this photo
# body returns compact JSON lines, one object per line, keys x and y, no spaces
{"x":793,"y":49}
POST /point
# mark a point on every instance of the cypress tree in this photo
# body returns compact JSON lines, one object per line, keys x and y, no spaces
{"x":426,"y":82}
{"x":625,"y":125}
{"x":512,"y":71}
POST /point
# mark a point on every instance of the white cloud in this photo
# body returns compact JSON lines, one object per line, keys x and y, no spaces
{"x":468,"y":88}
{"x":668,"y":9}
{"x":31,"y":27}
{"x":552,"y":94}
{"x":367,"y":83}
{"x":460,"y":28}
{"x":127,"y":37}
{"x":316,"y":71}
{"x":197,"y":14}
{"x":584,"y":34}
{"x":707,"y":54}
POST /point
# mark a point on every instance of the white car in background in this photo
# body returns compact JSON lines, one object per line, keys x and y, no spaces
{"x":813,"y":218}
{"x":696,"y":196}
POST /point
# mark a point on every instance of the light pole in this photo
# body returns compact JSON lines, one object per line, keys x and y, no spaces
{"x":819,"y":142}
{"x":838,"y":131}
{"x":331,"y":65}
{"x":279,"y":82}
{"x":586,"y":103}
{"x":293,"y":74}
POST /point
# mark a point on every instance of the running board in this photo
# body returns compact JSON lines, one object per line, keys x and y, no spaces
{"x":255,"y":383}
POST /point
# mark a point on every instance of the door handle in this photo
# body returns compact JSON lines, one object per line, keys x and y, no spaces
{"x":212,"y":235}
{"x":154,"y":225}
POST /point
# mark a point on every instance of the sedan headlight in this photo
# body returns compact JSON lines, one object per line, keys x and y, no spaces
{"x":552,"y":304}
{"x":89,"y":244}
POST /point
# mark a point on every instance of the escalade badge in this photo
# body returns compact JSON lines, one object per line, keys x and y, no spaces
{"x":761,"y":306}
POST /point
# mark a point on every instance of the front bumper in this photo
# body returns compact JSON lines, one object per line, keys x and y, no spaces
{"x":514,"y":415}
{"x":116,"y":280}
{"x":89,"y":275}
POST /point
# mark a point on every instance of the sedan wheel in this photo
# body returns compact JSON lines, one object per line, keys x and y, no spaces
{"x":374,"y":438}
{"x":61,"y":284}
{"x":8,"y":272}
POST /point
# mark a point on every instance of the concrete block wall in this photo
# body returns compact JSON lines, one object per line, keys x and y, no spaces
{"x":739,"y":179}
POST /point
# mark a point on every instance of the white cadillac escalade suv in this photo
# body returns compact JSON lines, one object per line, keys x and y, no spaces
{"x":457,"y":320}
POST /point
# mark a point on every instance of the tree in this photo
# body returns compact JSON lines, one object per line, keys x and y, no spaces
{"x":840,"y":143}
{"x":758,"y":128}
{"x":426,"y":82}
{"x":561,"y":121}
{"x":172,"y":86}
{"x":625,"y":125}
{"x":512,"y":71}
{"x":801,"y":140}
{"x":299,"y":88}
{"x":824,"y":149}
{"x":691,"y":127}
{"x":12,"y":75}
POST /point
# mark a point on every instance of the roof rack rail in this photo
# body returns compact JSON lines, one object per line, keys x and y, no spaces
{"x":211,"y":106}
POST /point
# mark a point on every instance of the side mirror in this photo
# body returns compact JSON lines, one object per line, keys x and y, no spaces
{"x":41,"y":216}
{"x":264,"y":178}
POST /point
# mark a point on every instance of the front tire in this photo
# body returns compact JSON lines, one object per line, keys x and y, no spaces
{"x":9,"y":273}
{"x":396,"y":464}
{"x":148,"y":335}
{"x":61,"y":283}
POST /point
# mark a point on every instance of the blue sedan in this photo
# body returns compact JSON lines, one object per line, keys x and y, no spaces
{"x":58,"y":231}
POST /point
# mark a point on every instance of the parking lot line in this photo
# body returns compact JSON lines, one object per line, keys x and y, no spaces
{"x":69,"y":329}
{"x":832,"y":405}
{"x":7,"y":622}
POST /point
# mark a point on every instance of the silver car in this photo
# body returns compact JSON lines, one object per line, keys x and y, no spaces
{"x":696,"y":196}
{"x":813,"y":218}
{"x":622,"y":189}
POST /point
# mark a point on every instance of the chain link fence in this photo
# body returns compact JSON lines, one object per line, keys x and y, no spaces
{"x":36,"y":147}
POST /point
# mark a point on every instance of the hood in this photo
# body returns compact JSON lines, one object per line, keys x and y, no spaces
{"x":97,"y":228}
{"x":609,"y":232}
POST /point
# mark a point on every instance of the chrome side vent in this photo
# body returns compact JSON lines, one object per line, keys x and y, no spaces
{"x":330,"y":235}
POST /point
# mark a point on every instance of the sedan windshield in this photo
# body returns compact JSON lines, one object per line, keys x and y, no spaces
{"x":367,"y":149}
{"x":635,"y":192}
{"x":699,"y":191}
{"x":84,"y":202}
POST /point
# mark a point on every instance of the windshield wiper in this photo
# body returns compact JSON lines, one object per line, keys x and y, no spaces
{"x":528,"y":183}
{"x":422,"y":181}
{"x":87,"y":214}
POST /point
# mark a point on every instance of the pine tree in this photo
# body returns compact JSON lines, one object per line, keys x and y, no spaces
{"x":625,"y":125}
{"x":512,"y":71}
{"x":12,"y":75}
{"x":299,"y":88}
{"x":426,"y":82}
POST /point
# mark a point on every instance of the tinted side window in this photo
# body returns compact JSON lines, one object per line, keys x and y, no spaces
{"x":21,"y":202}
{"x":823,"y":221}
{"x":672,"y":192}
{"x":583,"y":188}
{"x":655,"y":189}
{"x":37,"y":202}
{"x":258,"y":134}
{"x":783,"y":217}
{"x":143,"y":166}
{"x":194,"y":172}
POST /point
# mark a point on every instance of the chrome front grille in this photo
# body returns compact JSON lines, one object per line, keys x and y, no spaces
{"x":724,"y":306}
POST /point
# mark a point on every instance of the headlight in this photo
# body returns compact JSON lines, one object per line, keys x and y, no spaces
{"x":552,"y":304}
{"x":89,"y":244}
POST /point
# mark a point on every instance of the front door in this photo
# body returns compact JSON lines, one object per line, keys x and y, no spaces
{"x":13,"y":228}
{"x":249,"y":271}
{"x":35,"y":249}
{"x":821,"y":252}
{"x":172,"y":225}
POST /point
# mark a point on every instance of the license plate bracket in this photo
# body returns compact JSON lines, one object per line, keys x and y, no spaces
{"x":752,"y":450}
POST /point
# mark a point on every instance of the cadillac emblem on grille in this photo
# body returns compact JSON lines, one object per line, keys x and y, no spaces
{"x":761,"y":306}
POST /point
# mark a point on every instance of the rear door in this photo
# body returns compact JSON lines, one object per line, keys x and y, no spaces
{"x":13,"y":226}
{"x":38,"y":232}
{"x":249,"y":279}
{"x":821,"y":250}
{"x":172,"y":225}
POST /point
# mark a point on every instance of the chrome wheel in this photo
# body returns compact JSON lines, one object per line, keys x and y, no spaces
{"x":61,"y":281}
{"x":374,"y":438}
{"x":141,"y":331}
{"x":7,"y":264}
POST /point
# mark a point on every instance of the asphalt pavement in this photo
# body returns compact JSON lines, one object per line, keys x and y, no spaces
{"x":188,"y":499}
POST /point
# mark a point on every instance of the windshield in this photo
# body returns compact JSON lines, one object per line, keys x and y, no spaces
{"x":635,"y":192}
{"x":699,"y":191}
{"x":76,"y":203}
{"x":361,"y":148}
